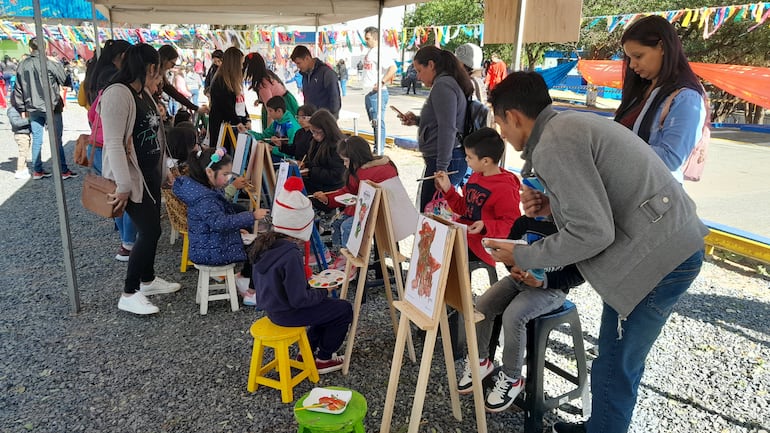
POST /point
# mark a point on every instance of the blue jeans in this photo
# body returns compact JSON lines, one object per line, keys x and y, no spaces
{"x":428,"y":188}
{"x":123,"y":223}
{"x":618,"y":370}
{"x":194,"y":97}
{"x":37,"y":124}
{"x":341,"y":230}
{"x":344,"y":87}
{"x":370,"y":101}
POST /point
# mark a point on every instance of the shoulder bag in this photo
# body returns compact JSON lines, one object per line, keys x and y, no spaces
{"x":94,"y":195}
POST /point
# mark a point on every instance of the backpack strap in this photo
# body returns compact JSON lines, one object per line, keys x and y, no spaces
{"x":667,"y":106}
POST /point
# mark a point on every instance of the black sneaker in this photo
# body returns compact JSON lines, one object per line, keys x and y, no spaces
{"x":568,"y":427}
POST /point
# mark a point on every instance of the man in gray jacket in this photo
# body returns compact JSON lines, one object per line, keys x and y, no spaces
{"x":29,"y":99}
{"x":623,"y":220}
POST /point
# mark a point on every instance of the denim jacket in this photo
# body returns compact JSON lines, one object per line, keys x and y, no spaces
{"x":682,"y":129}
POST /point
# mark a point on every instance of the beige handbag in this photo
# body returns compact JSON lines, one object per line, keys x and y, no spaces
{"x":95,"y":191}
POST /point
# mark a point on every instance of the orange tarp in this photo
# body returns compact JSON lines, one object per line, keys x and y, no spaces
{"x":750,"y":83}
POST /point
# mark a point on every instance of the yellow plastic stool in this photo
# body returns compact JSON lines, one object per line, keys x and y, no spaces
{"x":266,"y":333}
{"x":185,"y":253}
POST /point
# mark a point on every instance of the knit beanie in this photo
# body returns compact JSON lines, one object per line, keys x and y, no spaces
{"x":292,"y":211}
{"x":470,"y":55}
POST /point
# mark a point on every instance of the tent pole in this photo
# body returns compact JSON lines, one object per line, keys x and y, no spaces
{"x":377,"y":132}
{"x":518,"y":43}
{"x":112,"y":25}
{"x":315,"y":48}
{"x":69,"y":260}
{"x":98,"y":49}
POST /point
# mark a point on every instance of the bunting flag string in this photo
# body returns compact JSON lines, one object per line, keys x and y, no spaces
{"x":708,"y":19}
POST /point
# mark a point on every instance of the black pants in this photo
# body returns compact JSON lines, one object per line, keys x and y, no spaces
{"x":146,"y":218}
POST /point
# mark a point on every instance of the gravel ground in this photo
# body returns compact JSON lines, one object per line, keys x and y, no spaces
{"x":103,"y":370}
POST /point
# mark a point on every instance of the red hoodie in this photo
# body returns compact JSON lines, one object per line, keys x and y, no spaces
{"x":492,"y":199}
{"x":377,"y":170}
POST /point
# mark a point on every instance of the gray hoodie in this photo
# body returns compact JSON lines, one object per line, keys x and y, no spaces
{"x":441,"y":118}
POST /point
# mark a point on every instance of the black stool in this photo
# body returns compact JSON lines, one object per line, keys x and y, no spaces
{"x":534,"y":402}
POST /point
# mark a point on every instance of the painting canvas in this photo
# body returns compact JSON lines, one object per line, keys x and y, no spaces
{"x":366,"y":195}
{"x":283,"y":174}
{"x":402,"y":211}
{"x":241,"y":156}
{"x":426,"y":265}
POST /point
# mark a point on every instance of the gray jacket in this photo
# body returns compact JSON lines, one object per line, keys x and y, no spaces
{"x":441,"y":118}
{"x":622,"y":218}
{"x":28,"y":95}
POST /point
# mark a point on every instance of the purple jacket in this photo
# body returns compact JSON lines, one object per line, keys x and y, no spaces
{"x":279,"y":279}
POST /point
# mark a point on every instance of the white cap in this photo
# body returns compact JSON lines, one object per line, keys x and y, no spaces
{"x":292,"y":212}
{"x":470,"y":55}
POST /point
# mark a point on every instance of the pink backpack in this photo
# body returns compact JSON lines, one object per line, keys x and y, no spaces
{"x":693,"y":166}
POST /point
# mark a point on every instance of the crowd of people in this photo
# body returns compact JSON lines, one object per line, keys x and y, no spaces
{"x":598,"y":201}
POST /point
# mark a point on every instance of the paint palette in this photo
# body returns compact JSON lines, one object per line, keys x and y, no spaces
{"x":329,"y":278}
{"x":346,"y":199}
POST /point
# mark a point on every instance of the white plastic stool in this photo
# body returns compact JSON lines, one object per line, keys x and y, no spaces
{"x":205,"y":273}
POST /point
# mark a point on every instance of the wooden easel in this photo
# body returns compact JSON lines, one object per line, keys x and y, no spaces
{"x":261,"y":172}
{"x":378,"y":225}
{"x":454,"y":289}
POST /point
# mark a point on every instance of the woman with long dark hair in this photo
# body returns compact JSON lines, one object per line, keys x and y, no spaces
{"x":442,"y":118}
{"x":106,"y":66}
{"x":324,"y":165}
{"x":658,"y":74}
{"x":227,"y":101}
{"x":267,"y":84}
{"x":134,"y":157}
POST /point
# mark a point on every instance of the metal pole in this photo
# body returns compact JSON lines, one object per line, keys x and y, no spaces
{"x":315,"y":47}
{"x":378,"y":131}
{"x":519,"y":38}
{"x":69,"y":259}
{"x":96,"y":30}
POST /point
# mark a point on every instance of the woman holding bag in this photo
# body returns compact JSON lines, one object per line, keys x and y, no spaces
{"x":442,"y":117}
{"x":227,"y":101}
{"x":134,"y":157}
{"x":658,"y":75}
{"x":267,"y":84}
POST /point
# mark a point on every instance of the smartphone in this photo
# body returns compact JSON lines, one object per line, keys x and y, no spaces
{"x":400,"y":114}
{"x":534,"y":183}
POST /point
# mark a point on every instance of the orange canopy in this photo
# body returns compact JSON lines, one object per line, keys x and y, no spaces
{"x":750,"y":83}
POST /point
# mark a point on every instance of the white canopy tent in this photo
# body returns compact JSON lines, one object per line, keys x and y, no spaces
{"x":253,"y":12}
{"x":195,"y":12}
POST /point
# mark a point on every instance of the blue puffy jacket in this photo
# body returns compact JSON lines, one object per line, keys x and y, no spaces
{"x":212,"y":224}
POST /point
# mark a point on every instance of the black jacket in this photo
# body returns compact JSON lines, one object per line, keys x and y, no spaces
{"x":321,"y":89}
{"x":28,"y":95}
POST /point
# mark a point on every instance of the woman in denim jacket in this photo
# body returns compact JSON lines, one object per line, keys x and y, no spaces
{"x":656,"y":69}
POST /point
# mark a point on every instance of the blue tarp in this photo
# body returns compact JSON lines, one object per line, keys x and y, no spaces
{"x":60,"y":9}
{"x":556,"y":75}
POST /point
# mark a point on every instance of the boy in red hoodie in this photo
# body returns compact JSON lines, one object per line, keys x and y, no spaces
{"x":489,"y":203}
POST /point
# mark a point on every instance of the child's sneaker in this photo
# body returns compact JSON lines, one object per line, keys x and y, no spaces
{"x":242,"y":284}
{"x":328,"y":365}
{"x":250,"y":299}
{"x":504,"y":392}
{"x":339,"y":262}
{"x":465,"y":385}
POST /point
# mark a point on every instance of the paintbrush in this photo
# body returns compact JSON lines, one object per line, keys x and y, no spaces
{"x":312,"y":406}
{"x":434,"y":176}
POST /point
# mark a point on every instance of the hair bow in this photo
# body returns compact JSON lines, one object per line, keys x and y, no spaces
{"x":217,"y":156}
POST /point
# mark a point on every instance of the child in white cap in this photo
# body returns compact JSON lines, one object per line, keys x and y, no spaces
{"x":281,"y":283}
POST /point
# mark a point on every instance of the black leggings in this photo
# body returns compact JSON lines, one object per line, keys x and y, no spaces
{"x":146,"y":218}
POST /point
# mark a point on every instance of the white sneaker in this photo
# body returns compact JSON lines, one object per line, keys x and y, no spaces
{"x":504,"y":393}
{"x":158,"y":286}
{"x":137,"y":304}
{"x":22,"y":174}
{"x":465,"y":385}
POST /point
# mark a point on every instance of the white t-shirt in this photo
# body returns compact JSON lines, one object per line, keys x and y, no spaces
{"x":370,"y":77}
